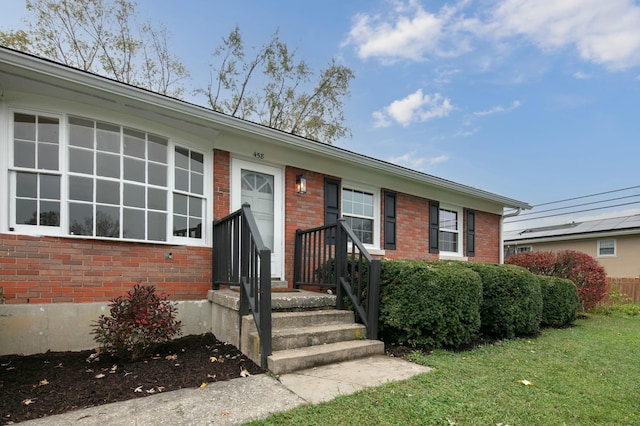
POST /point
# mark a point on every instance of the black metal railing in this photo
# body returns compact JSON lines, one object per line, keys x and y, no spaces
{"x":333,"y":257}
{"x":240,"y":258}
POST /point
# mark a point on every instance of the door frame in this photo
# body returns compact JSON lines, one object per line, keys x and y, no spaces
{"x":237,"y":164}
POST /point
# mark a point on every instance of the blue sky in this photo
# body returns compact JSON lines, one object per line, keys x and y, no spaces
{"x":537,"y":101}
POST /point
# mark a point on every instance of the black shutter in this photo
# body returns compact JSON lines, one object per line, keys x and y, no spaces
{"x":471,"y":233}
{"x":331,"y":201}
{"x":434,"y":227}
{"x":390,"y":220}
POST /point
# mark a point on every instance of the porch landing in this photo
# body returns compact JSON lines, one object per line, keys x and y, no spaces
{"x":307,"y":330}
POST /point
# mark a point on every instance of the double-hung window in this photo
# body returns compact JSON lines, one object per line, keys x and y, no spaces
{"x":36,"y":171}
{"x":450,"y":234}
{"x":359,"y":210}
{"x":607,"y":248}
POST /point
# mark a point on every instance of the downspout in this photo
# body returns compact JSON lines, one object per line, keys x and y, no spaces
{"x":502,"y":218}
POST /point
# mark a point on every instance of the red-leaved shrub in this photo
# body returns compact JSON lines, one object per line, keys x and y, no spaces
{"x":582,"y":269}
{"x":139,"y":322}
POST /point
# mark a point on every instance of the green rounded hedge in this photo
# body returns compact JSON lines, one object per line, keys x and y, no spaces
{"x":429,"y":305}
{"x":560,"y":301}
{"x":512,"y":300}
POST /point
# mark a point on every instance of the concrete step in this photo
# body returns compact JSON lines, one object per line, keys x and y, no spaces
{"x":291,"y":338}
{"x":300,"y":319}
{"x":290,"y":360}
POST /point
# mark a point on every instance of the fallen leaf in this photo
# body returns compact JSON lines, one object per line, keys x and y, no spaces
{"x":203,"y":385}
{"x":58,"y":366}
{"x":213,"y":359}
{"x":244,"y":373}
{"x":225,"y":414}
{"x":138,"y":389}
{"x":44,"y":382}
{"x":10,"y":368}
{"x":525,"y":382}
{"x":160,"y":388}
{"x":171,"y":357}
{"x":93,"y":357}
{"x":114,"y":368}
{"x":99,"y":376}
{"x":152,"y":390}
{"x":28,"y":401}
{"x":211,"y":376}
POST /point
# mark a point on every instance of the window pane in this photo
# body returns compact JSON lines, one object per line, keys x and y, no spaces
{"x":197,"y":162}
{"x":134,"y":170}
{"x":108,"y":192}
{"x":182,"y":158}
{"x":179,"y":226}
{"x":157,"y":174}
{"x":157,"y":224}
{"x":134,"y":195}
{"x":48,"y":130}
{"x":107,"y":221}
{"x":133,"y":224}
{"x":180,"y":204}
{"x":195,"y":207}
{"x":158,"y":149}
{"x":81,"y":132}
{"x":182,"y":180}
{"x":24,"y":127}
{"x":50,"y":187}
{"x":80,"y":219}
{"x":448,"y":220}
{"x":81,"y":161}
{"x":107,"y":137}
{"x":49,"y":213}
{"x":80,"y":188}
{"x":134,"y":143}
{"x":108,"y":165}
{"x":157,"y":199}
{"x":26,"y":212}
{"x":449,"y":241}
{"x":197,"y":185}
{"x":48,"y":156}
{"x":24,"y":154}
{"x":27,"y":185}
{"x":195,"y":228}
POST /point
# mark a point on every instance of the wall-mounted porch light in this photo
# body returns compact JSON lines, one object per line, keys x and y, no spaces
{"x":301,"y":184}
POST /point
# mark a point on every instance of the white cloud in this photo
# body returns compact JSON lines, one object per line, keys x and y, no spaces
{"x":416,"y":163}
{"x":603,"y":32}
{"x":581,"y":75}
{"x":497,"y":109}
{"x":407,"y":32}
{"x":416,"y":107}
{"x":600,"y":32}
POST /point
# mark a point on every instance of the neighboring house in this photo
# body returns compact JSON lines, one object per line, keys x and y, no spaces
{"x":105,"y":185}
{"x":613,"y":242}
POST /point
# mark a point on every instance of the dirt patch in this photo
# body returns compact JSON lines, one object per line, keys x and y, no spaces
{"x":56,"y":382}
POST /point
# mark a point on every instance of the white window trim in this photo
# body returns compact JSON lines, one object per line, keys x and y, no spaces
{"x":615,"y":247}
{"x":9,"y":171}
{"x":375,"y":248}
{"x":448,"y":255}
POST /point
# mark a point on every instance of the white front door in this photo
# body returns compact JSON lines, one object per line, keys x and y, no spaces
{"x":261,"y":187}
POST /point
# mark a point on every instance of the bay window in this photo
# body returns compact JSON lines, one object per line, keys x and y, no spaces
{"x":115,"y":181}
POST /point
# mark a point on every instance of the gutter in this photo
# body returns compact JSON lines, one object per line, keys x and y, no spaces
{"x":502,"y":218}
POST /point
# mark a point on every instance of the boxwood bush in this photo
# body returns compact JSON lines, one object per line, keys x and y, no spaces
{"x":511,"y":300}
{"x":560,"y":301}
{"x":429,"y":305}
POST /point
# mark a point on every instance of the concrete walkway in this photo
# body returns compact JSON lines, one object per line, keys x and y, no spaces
{"x":244,"y":399}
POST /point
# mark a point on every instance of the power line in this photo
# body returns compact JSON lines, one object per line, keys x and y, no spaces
{"x":576,"y":211}
{"x":587,"y":196}
{"x":580,"y":205}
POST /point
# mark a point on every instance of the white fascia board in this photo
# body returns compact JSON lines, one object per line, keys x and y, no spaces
{"x":165,"y":106}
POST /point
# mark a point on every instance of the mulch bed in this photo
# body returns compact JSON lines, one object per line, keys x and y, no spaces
{"x":56,"y":382}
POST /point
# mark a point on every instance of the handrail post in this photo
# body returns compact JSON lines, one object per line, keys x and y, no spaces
{"x":297,"y":259}
{"x":265,"y":307}
{"x":373,"y":299}
{"x":340,"y":260}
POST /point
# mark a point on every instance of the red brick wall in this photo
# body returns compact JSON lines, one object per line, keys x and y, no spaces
{"x":221,"y":184}
{"x":487,"y":238}
{"x":50,"y":269}
{"x":302,"y":211}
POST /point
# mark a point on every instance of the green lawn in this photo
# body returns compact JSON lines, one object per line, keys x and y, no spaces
{"x":588,"y":374}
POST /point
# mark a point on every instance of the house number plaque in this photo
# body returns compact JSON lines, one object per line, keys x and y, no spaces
{"x":259,"y":155}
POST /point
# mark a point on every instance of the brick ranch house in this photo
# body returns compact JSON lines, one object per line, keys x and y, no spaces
{"x":105,"y":185}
